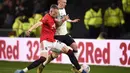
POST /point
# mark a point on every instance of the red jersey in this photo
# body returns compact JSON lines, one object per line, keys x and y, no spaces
{"x":48,"y":28}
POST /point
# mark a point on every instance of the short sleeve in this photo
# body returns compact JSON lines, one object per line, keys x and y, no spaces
{"x":44,"y":20}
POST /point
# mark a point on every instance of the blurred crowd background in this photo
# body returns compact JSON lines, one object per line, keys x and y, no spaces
{"x":102,"y":19}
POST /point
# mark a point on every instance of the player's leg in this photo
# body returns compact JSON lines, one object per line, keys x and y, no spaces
{"x":64,"y":49}
{"x":32,"y":65}
{"x":69,"y":41}
{"x":48,"y":60}
{"x":43,"y":53}
{"x":75,"y":51}
{"x":60,"y":47}
{"x":73,"y":60}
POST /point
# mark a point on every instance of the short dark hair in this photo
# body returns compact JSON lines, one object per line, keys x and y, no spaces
{"x":54,"y":6}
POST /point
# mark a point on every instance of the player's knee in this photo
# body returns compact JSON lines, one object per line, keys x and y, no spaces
{"x":42,"y":59}
{"x":74,"y":46}
{"x":54,"y":55}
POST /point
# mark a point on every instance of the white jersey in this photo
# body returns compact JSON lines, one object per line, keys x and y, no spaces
{"x":62,"y":30}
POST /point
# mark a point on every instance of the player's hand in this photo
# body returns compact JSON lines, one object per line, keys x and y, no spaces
{"x":75,"y":20}
{"x":65,"y":18}
{"x":27,"y":33}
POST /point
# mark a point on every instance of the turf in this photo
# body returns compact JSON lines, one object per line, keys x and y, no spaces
{"x":10,"y":67}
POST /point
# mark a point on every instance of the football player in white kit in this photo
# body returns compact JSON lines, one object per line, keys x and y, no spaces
{"x":62,"y":33}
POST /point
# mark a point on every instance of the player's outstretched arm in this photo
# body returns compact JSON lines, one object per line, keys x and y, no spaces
{"x":33,"y":27}
{"x":73,"y":21}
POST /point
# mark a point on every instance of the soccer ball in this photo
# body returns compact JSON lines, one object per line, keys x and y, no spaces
{"x":86,"y":68}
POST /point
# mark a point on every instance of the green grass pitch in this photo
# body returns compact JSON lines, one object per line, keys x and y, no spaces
{"x":10,"y":67}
